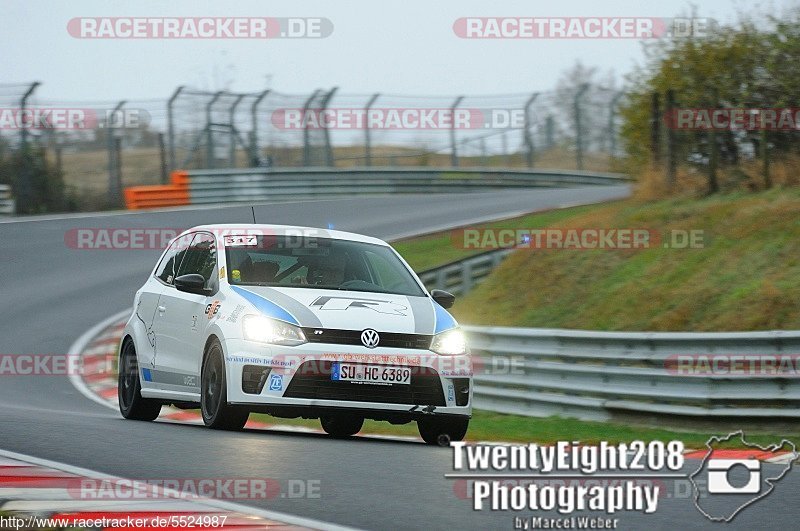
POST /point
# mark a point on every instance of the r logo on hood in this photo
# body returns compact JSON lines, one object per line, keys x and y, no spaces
{"x":343,"y":303}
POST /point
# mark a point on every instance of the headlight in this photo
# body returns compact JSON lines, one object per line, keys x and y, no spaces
{"x":266,"y":330}
{"x":450,"y":343}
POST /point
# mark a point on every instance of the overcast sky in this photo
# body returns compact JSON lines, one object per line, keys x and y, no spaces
{"x":389,"y":46}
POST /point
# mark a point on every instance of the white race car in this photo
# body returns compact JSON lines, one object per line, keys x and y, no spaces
{"x":294,"y":322}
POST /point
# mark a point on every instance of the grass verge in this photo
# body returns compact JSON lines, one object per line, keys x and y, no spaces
{"x":743,"y":277}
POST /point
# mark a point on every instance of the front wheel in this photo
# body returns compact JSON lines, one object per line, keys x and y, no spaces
{"x":129,"y":388}
{"x":440,"y":431}
{"x":340,"y":426}
{"x":217,"y":413}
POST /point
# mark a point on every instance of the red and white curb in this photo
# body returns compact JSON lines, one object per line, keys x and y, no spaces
{"x":33,"y":487}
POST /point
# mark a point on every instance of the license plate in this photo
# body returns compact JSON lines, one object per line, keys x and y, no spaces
{"x":377,"y":374}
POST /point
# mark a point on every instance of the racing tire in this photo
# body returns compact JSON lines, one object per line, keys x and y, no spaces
{"x":341,"y":426}
{"x":217,"y":413}
{"x":440,"y":431}
{"x":129,"y":388}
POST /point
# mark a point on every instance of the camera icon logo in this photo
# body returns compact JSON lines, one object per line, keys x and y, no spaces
{"x":735,"y":473}
{"x":719,"y":471}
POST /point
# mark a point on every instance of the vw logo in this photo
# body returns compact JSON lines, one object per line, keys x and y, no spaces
{"x":370,"y":338}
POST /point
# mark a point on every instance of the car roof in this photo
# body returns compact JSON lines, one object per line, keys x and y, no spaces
{"x":251,"y":228}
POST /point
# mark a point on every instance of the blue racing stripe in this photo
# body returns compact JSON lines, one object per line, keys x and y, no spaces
{"x":444,"y":321}
{"x":147,"y":376}
{"x":266,"y":306}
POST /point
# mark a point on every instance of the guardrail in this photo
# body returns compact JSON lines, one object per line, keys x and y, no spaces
{"x":658,"y":375}
{"x":7,"y":204}
{"x":259,"y":184}
{"x":460,"y":276}
{"x":661,"y":376}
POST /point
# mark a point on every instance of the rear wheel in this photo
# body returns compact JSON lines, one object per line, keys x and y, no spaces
{"x":217,"y":413}
{"x":341,"y":425}
{"x":129,"y":388}
{"x":440,"y":431}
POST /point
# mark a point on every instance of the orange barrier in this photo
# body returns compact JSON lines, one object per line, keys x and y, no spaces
{"x":159,"y":195}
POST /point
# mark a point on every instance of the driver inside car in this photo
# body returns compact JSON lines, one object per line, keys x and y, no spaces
{"x":328,"y":271}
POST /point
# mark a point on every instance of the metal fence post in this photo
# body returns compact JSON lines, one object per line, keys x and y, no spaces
{"x":118,"y":168}
{"x":612,"y":130}
{"x":655,"y":127}
{"x":671,"y":148}
{"x":367,"y":139}
{"x":171,"y":126}
{"x":441,"y":279}
{"x":24,"y":192}
{"x":209,"y":131}
{"x":163,"y":159}
{"x":114,"y":177}
{"x":713,"y":157}
{"x":454,"y":153}
{"x":306,"y":134}
{"x":579,"y":125}
{"x":231,"y":122}
{"x":526,"y":133}
{"x":764,"y":153}
{"x":254,"y":131}
{"x":466,"y":276}
{"x":59,"y":160}
{"x":326,"y":133}
{"x":23,"y":104}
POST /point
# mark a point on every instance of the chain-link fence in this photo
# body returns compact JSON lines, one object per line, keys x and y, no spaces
{"x":100,"y":147}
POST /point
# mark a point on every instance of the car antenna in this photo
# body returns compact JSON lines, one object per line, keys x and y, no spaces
{"x":253,"y":209}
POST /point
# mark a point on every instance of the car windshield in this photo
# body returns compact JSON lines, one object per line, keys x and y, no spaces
{"x":322,"y":263}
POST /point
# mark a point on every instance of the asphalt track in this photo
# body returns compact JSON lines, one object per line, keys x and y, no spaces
{"x":51,"y":294}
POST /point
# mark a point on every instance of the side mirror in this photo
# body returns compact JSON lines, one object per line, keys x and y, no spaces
{"x":191,"y":283}
{"x":445,"y":299}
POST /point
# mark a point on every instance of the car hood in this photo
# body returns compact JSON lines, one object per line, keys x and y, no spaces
{"x":349,"y":310}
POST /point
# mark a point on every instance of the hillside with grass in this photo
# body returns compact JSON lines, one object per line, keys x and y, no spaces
{"x":746,"y":276}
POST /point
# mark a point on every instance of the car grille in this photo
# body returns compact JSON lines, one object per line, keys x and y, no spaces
{"x":353,"y":337}
{"x":313,"y":380}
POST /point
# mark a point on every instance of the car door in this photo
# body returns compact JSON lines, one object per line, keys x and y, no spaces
{"x":149,"y":296}
{"x":181,"y":320}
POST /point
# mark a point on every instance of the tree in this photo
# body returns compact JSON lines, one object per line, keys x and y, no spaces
{"x":751,"y":65}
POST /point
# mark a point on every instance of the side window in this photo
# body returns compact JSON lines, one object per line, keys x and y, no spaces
{"x":201,"y":257}
{"x":169,"y":264}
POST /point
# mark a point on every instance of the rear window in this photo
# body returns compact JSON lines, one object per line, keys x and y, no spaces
{"x":318,"y":263}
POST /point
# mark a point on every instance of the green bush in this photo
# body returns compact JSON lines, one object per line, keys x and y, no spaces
{"x":37,"y":186}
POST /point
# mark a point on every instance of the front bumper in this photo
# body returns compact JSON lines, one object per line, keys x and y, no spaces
{"x":295,"y":381}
